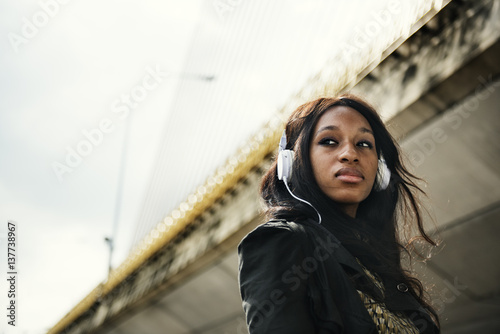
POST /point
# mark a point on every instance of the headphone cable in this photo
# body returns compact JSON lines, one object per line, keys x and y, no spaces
{"x":300,"y":199}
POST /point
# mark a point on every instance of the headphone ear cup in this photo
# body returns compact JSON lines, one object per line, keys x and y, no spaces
{"x":285,"y":163}
{"x":383,"y":176}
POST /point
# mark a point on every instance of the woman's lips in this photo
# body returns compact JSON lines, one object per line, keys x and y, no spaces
{"x":349,"y":175}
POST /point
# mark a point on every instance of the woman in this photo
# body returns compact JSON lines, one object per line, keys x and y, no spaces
{"x":329,"y":259}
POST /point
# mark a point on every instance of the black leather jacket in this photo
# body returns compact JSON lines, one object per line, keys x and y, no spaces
{"x":293,"y":280}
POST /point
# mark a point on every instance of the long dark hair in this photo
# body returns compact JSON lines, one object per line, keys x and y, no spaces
{"x":373,"y":236}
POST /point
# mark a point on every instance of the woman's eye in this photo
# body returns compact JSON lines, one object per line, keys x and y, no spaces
{"x":365,"y":144}
{"x":327,"y":141}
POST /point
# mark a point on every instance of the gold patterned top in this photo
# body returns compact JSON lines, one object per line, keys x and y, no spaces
{"x":387,"y":322}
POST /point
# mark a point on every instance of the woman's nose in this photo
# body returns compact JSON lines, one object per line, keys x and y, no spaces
{"x":348,"y":153}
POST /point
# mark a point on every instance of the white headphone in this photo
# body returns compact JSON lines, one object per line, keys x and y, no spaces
{"x":285,"y":163}
{"x":285,"y":159}
{"x":383,"y":175}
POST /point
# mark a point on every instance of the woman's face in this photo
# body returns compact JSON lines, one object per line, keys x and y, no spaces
{"x":343,"y":157}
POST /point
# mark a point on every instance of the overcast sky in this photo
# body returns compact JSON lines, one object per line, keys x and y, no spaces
{"x":78,"y":73}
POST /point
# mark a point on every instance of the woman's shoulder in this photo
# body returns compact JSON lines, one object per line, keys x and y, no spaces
{"x":275,"y":231}
{"x":282,"y":224}
{"x":277,"y":227}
